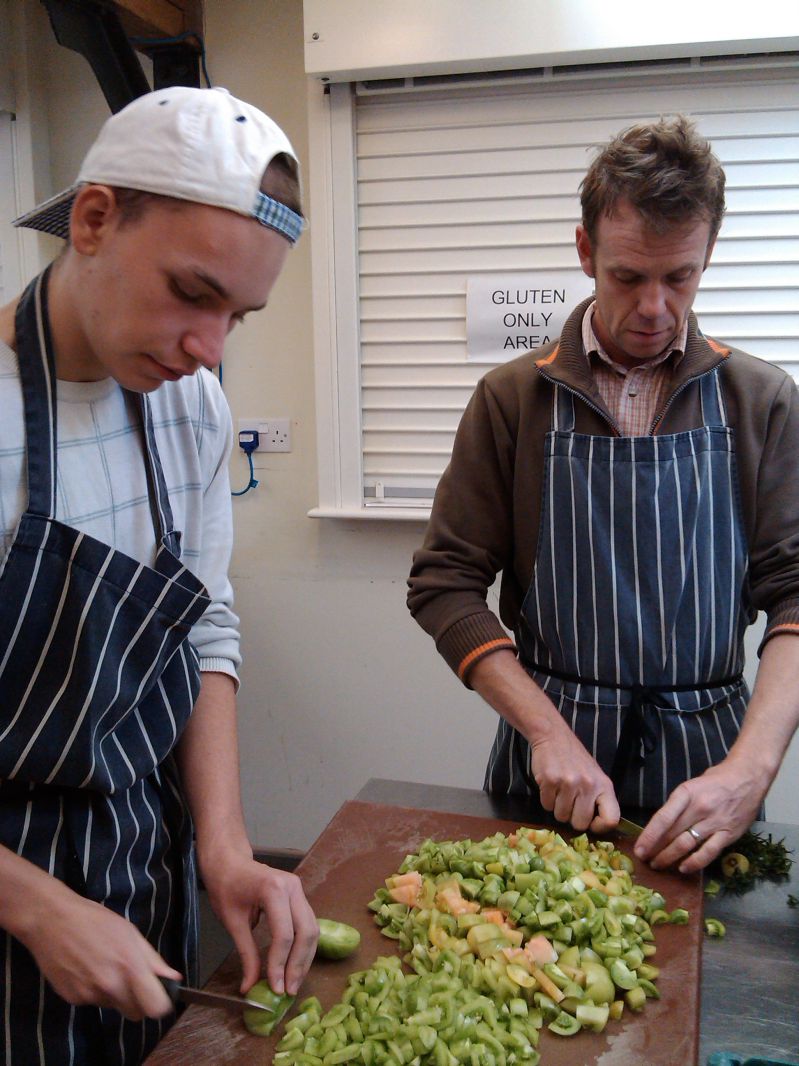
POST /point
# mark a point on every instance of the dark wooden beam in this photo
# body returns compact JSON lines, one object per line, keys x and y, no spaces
{"x":160,"y":18}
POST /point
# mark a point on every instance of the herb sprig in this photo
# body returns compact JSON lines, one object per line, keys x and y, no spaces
{"x":752,"y":858}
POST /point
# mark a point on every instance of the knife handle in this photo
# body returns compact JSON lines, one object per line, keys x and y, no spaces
{"x":171,"y":987}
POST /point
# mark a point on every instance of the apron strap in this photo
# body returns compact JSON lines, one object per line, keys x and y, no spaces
{"x":36,"y":358}
{"x":563,"y":416}
{"x":156,"y":482}
{"x":711,"y":398}
{"x":37,"y":374}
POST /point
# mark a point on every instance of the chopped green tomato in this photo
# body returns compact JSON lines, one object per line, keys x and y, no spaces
{"x":635,"y":998}
{"x":714,"y":927}
{"x":258,"y":1022}
{"x":591,"y":1016}
{"x":598,"y":983}
{"x":337,"y":940}
{"x":565,"y":1025}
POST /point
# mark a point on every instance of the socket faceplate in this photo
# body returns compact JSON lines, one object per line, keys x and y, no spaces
{"x":274,"y":433}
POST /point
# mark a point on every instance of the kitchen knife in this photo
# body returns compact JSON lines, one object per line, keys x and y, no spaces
{"x":177,"y":992}
{"x":628,"y":828}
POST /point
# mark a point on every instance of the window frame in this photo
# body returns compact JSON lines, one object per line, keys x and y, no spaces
{"x":334,"y":235}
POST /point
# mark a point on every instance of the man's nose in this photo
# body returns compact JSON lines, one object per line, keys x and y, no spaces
{"x":651,"y":300}
{"x":205,"y":343}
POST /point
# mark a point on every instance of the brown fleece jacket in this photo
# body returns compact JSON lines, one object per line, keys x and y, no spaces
{"x":486,"y":513}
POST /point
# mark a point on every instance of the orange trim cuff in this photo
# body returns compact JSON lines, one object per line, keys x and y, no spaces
{"x":484,"y":649}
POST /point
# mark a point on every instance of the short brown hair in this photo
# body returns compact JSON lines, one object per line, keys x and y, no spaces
{"x":280,"y":181}
{"x":665,"y":169}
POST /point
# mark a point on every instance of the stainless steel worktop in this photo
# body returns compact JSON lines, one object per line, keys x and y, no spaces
{"x":750,"y":978}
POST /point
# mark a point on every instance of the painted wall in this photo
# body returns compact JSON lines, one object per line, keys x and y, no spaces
{"x":338,"y":684}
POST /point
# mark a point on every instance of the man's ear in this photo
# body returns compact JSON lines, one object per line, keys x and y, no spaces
{"x":711,"y":245}
{"x":94,"y":212}
{"x":584,"y":250}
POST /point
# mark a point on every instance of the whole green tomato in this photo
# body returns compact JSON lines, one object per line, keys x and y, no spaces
{"x":337,"y":940}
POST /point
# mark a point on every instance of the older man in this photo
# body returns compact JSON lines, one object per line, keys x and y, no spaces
{"x":636,"y":483}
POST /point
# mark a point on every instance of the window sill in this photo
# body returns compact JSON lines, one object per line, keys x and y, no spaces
{"x":387,"y":513}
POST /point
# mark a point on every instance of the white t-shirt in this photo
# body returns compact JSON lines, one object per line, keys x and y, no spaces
{"x":102,"y":481}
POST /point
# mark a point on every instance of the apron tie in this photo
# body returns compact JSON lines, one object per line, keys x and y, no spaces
{"x":638,"y":737}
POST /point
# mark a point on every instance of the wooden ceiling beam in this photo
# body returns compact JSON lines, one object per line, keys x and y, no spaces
{"x":160,"y":18}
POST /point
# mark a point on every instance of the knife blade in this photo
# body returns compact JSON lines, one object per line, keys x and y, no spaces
{"x":628,"y":828}
{"x":177,"y":991}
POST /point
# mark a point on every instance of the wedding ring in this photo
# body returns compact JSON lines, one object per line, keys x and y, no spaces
{"x":694,"y":834}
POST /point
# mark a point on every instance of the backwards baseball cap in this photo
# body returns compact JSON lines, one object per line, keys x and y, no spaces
{"x":201,"y":145}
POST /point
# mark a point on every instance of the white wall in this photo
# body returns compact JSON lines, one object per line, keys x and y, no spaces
{"x":338,"y":683}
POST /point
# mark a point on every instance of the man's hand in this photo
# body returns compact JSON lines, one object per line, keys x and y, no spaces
{"x":570,"y":780}
{"x":572,"y":784}
{"x":719,"y":806}
{"x":240,"y":890}
{"x":90,"y":955}
{"x":722,"y":803}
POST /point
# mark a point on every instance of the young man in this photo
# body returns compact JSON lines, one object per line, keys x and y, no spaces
{"x":118,"y":643}
{"x":636,"y":484}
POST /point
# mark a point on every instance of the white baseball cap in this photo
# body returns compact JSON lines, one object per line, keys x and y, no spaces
{"x":201,"y":145}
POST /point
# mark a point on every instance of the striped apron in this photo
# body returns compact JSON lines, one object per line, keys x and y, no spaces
{"x":634,"y":620}
{"x":97,"y":681}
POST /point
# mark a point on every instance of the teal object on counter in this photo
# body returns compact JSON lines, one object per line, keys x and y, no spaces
{"x":726,"y":1058}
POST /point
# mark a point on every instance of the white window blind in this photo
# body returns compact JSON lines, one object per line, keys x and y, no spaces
{"x":434,"y":181}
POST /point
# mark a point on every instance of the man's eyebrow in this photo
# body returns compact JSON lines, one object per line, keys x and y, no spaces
{"x":220,"y":289}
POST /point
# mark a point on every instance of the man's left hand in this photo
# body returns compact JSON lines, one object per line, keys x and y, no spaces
{"x":700,"y":818}
{"x":240,"y":890}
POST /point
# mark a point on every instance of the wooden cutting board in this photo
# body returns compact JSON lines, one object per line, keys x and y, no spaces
{"x":364,"y":844}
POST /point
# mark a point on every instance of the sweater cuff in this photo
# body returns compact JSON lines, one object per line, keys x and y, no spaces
{"x":216,"y":665}
{"x":470,"y":639}
{"x":785,"y":619}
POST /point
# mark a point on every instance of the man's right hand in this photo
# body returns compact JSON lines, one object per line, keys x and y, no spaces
{"x":89,"y":954}
{"x":571,"y":783}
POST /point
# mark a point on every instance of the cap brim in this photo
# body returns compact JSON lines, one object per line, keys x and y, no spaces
{"x":52,"y":216}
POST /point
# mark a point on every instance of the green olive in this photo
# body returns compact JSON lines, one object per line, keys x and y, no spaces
{"x":258,"y":1022}
{"x":337,"y":940}
{"x":734,"y":863}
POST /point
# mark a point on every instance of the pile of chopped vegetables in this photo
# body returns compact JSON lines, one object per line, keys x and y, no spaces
{"x":504,"y":936}
{"x":390,"y":1017}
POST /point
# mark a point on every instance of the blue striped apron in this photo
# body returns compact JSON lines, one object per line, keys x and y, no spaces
{"x":634,"y":620}
{"x":97,"y":681}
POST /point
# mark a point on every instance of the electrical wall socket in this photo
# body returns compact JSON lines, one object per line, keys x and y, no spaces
{"x":274,"y":433}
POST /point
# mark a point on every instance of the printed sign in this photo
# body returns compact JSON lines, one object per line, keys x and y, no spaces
{"x":510,"y":314}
